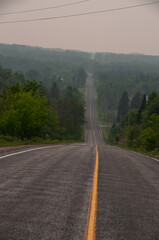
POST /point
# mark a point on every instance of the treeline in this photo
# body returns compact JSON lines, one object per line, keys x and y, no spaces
{"x":131,"y":62}
{"x":41,"y":64}
{"x":110,"y":85}
{"x":137,"y":122}
{"x":9,"y":78}
{"x":27,"y":110}
{"x":126,"y":98}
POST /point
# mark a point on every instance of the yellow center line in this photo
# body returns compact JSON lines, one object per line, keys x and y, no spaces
{"x":92,"y":210}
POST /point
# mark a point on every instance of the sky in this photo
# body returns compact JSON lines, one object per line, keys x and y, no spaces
{"x":133,"y":30}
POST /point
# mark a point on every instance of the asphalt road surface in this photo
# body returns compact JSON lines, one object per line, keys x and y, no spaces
{"x":45,"y":192}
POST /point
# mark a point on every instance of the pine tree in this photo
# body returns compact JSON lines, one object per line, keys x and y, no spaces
{"x":54,"y":93}
{"x":151,"y":97}
{"x":141,"y":109}
{"x":136,"y":101}
{"x":123,"y":107}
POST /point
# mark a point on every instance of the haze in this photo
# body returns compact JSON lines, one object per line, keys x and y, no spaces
{"x":127,"y":31}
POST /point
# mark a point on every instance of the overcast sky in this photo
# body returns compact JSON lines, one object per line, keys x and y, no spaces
{"x":128,"y":31}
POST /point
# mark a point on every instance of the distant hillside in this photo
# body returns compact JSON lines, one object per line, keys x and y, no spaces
{"x":137,"y":62}
{"x":23,"y":58}
{"x":42,"y":54}
{"x":48,"y":65}
{"x":104,"y":58}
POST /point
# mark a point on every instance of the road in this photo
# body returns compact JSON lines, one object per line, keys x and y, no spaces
{"x":47,"y":193}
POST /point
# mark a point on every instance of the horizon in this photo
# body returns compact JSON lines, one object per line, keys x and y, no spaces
{"x":77,"y":50}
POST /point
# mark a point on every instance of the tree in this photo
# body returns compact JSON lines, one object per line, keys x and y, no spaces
{"x":32,"y":74}
{"x":151,"y":107}
{"x":24,"y":115}
{"x":123,"y":107}
{"x":114,"y":133}
{"x":71,"y":115}
{"x":130,"y":118}
{"x":34,"y":86}
{"x":152,"y":96}
{"x":54,"y":92}
{"x":141,"y":109}
{"x":136,"y":101}
{"x":25,"y":111}
{"x":131,"y":133}
{"x":150,"y":135}
{"x":79,"y":78}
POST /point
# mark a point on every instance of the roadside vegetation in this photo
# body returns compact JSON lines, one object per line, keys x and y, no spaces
{"x":128,"y":99}
{"x":138,"y":126}
{"x":31,"y":114}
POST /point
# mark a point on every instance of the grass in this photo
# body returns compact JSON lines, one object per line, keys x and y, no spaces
{"x":139,"y":150}
{"x":105,"y":132}
{"x":6,"y":141}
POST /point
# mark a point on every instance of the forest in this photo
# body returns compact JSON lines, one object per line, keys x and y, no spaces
{"x":111,"y":84}
{"x":127,"y":99}
{"x":137,"y":124}
{"x":42,"y":64}
{"x":29,"y":112}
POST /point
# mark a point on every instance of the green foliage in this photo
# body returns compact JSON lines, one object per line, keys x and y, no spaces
{"x":138,"y":75}
{"x":151,"y":97}
{"x":141,"y":109}
{"x":32,"y":74}
{"x":130,"y":118}
{"x":24,"y":115}
{"x":71,"y":114}
{"x":30,"y":109}
{"x":123,"y":107}
{"x":105,"y":103}
{"x":150,"y":135}
{"x":54,"y":92}
{"x":14,"y":141}
{"x":131,"y":134}
{"x":34,"y":86}
{"x":79,"y":78}
{"x":143,"y":134}
{"x":136,"y":101}
{"x":152,"y":107}
{"x":8,"y":78}
{"x":114,"y":134}
{"x":25,"y":112}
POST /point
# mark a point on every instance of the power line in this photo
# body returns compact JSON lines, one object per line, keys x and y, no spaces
{"x":80,"y":14}
{"x":46,"y":8}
